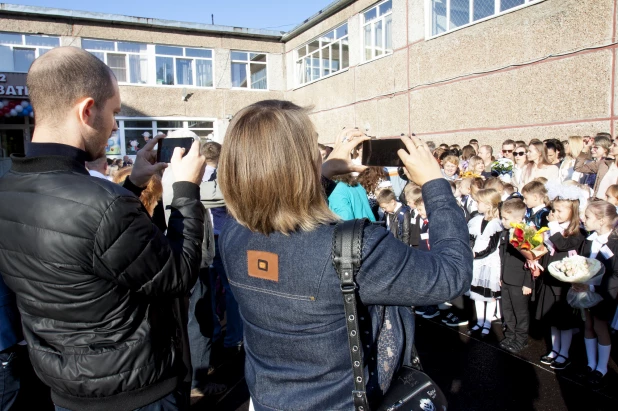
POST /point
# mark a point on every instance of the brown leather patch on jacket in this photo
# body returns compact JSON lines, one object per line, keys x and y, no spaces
{"x":263,"y":265}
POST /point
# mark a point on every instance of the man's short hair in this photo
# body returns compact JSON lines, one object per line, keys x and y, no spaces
{"x":386,"y":196}
{"x":430,"y":145}
{"x":513,"y":206}
{"x":61,"y":77}
{"x":96,"y":164}
{"x":211,"y":151}
{"x":508,"y":142}
{"x":473,"y":141}
{"x":488,"y":148}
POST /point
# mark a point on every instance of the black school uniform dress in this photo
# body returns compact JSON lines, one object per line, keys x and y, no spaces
{"x":608,"y":289}
{"x":552,"y":307}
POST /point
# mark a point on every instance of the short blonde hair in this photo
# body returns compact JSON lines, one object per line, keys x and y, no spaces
{"x":474,"y":160}
{"x":269,"y":169}
{"x":450,"y":159}
{"x":412,"y":192}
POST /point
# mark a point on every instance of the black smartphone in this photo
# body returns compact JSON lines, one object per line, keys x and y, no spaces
{"x":167,"y":146}
{"x":382,"y":153}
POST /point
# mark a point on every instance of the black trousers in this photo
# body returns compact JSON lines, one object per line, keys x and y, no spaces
{"x":516,"y":313}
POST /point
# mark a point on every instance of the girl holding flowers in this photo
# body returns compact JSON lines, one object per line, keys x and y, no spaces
{"x":601,"y":218}
{"x":563,"y":240}
{"x":486,"y":230}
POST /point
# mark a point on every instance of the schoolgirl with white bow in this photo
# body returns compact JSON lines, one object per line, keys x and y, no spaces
{"x":565,"y":238}
{"x":600,"y":218}
{"x":486,"y":229}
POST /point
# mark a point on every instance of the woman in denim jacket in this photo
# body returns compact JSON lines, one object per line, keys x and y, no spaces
{"x":277,"y":254}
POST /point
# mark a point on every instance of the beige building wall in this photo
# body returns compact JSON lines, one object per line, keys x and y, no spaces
{"x":166,"y":101}
{"x":543,"y":71}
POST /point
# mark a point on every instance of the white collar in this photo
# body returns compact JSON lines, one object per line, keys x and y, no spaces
{"x":602,"y":239}
{"x":398,"y":207}
{"x":537,"y":208}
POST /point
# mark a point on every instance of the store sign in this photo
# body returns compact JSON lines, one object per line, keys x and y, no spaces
{"x":13,"y":85}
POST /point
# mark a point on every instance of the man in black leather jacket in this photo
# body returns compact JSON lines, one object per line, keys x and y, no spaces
{"x":97,"y":283}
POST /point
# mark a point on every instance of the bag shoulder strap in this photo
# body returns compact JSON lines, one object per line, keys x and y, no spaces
{"x":347,"y":247}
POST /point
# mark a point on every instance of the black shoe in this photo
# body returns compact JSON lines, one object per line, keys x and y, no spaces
{"x":420,"y":310}
{"x":505,"y":343}
{"x":559,"y":366}
{"x":474,"y":330}
{"x":431,"y":312}
{"x":596,"y":380}
{"x":584,"y":372}
{"x":453,"y":321}
{"x":483,"y":333}
{"x":516,"y":347}
{"x":547,"y":359}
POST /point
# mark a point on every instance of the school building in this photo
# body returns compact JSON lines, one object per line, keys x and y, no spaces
{"x":447,"y":70}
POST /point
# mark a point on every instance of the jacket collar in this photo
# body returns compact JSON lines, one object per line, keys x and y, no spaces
{"x":46,"y":157}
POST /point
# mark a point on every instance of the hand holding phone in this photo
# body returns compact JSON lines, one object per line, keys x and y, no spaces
{"x":167,"y":146}
{"x":188,"y":165}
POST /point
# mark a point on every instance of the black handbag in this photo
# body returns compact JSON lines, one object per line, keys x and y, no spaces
{"x":410,"y":388}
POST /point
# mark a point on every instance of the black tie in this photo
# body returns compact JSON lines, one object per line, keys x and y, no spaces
{"x":213,"y":176}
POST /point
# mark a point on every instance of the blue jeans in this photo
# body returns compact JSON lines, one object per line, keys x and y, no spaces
{"x":234,"y":333}
{"x":175,"y":401}
{"x":200,"y":328}
{"x":10,"y":381}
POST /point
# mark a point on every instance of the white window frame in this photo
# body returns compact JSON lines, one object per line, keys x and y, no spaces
{"x":248,"y":70}
{"x":126,"y":58}
{"x":372,"y":23}
{"x":321,"y":47}
{"x":23,"y":45}
{"x":184,"y":57}
{"x":154,"y":121}
{"x":497,"y":13}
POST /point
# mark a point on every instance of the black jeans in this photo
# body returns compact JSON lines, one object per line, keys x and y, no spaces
{"x":516,"y":313}
{"x":175,"y":401}
{"x":200,"y":328}
{"x":10,"y":381}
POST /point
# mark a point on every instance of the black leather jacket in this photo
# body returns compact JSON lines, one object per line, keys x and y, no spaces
{"x":96,"y":282}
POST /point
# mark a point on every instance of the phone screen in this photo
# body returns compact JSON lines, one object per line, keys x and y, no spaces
{"x":167,"y":146}
{"x":382,"y":153}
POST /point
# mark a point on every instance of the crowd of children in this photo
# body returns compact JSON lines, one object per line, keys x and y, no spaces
{"x":508,"y":287}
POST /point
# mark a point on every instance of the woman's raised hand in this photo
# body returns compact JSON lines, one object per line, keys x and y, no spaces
{"x":419,"y":161}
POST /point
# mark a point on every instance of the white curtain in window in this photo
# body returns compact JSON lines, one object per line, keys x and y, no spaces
{"x":138,"y":66}
{"x":388,"y":32}
{"x":258,"y":76}
{"x":184,"y":74}
{"x":301,"y":71}
{"x":203,"y":73}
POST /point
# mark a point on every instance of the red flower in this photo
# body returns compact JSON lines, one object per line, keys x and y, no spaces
{"x":515,"y":242}
{"x":526,"y":246}
{"x":519,"y":234}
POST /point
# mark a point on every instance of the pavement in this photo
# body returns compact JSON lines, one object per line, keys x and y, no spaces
{"x":475,"y":374}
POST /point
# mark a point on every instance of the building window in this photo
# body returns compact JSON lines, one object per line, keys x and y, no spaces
{"x":128,"y":61}
{"x":378,"y":30}
{"x":323,"y":56}
{"x":249,"y":70}
{"x":447,"y":15}
{"x":135,"y":132}
{"x":18,"y":51}
{"x":183,"y":66}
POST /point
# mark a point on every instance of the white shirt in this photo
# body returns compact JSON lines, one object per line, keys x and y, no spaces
{"x":388,"y":220}
{"x":95,"y":173}
{"x":598,"y":241}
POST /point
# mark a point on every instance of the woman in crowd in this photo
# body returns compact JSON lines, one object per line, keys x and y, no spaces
{"x":450,"y":167}
{"x":278,"y":253}
{"x":151,"y":195}
{"x":370,"y":180}
{"x":349,"y":199}
{"x":606,"y":169}
{"x":539,"y":165}
{"x":467,"y":152}
{"x":572,"y":150}
{"x":476,"y":165}
{"x":520,"y":159}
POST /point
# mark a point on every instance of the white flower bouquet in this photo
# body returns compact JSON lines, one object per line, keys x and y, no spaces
{"x":502,"y":166}
{"x":579,"y":270}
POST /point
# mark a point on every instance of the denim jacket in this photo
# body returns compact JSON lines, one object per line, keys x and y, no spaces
{"x":289,"y":295}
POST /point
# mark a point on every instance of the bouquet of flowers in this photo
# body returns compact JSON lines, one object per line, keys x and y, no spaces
{"x":502,"y":166}
{"x":579,"y":270}
{"x":469,"y":174}
{"x":528,"y":241}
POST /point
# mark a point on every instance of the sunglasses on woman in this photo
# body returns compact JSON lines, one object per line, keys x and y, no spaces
{"x":519,"y":153}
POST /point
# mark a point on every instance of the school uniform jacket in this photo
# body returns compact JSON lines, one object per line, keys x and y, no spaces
{"x":608,"y":288}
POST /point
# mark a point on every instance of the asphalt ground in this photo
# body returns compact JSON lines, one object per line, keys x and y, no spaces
{"x":474,"y":373}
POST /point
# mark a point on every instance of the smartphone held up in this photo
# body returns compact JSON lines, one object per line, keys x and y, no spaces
{"x":165,"y":151}
{"x":382,"y":153}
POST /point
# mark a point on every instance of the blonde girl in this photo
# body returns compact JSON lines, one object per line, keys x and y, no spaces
{"x":485,"y":288}
{"x":601,"y":218}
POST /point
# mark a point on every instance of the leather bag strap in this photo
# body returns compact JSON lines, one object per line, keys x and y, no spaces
{"x":347,"y":246}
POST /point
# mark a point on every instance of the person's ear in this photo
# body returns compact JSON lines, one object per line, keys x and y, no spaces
{"x":86,"y":111}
